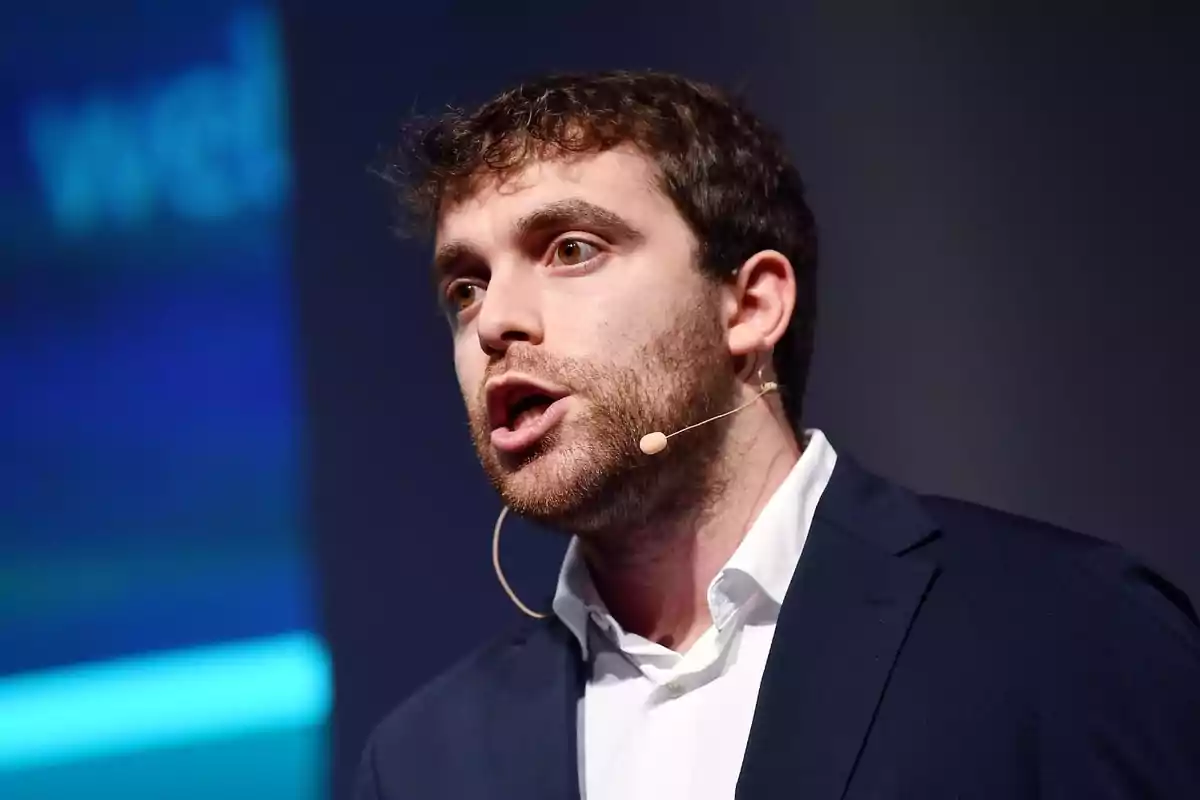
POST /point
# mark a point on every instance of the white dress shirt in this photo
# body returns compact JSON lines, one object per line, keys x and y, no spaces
{"x":658,"y":725}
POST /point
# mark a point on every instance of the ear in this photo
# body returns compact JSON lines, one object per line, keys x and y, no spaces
{"x":759,"y":303}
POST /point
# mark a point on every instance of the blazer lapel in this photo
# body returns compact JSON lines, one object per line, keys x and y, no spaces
{"x":532,"y":718}
{"x":841,"y":627}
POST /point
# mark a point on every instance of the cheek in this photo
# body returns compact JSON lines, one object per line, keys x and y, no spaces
{"x":469,"y":370}
{"x":602,"y":335}
{"x":611,"y":324}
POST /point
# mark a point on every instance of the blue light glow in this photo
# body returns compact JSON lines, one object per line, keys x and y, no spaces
{"x":158,"y":700}
{"x":206,"y":144}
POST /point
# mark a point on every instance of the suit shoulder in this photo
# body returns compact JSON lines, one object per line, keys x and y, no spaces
{"x":447,"y":701}
{"x":968,"y":523}
{"x":432,"y":743}
{"x":1056,"y":567}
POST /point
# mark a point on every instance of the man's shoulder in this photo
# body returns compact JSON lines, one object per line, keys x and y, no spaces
{"x":1023,"y":563}
{"x":972,"y":532}
{"x":458,"y":698}
{"x":507,"y":702}
{"x":429,"y":744}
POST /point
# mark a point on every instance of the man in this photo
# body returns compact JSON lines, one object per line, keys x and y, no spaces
{"x":748,"y":612}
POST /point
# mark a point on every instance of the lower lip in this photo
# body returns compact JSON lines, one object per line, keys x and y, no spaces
{"x":510,"y":441}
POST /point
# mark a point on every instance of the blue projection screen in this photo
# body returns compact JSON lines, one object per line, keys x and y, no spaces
{"x":157,"y":596}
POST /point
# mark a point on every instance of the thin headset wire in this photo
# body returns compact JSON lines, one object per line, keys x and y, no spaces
{"x":767,"y":386}
{"x":500,"y":572}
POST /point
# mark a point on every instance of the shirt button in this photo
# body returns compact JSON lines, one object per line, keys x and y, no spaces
{"x":674,"y":689}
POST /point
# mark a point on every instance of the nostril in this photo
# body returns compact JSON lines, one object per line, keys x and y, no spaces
{"x":497,"y":345}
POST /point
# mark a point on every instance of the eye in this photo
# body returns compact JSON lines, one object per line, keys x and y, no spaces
{"x":571,"y":252}
{"x":461,"y":294}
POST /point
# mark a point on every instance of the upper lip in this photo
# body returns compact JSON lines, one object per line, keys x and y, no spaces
{"x":504,"y":391}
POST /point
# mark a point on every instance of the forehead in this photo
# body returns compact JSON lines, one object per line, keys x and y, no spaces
{"x":621,"y":180}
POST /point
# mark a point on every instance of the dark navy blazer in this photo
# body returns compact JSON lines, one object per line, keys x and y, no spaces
{"x":927,"y":648}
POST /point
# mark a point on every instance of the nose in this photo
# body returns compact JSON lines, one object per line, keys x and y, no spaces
{"x":509,"y":312}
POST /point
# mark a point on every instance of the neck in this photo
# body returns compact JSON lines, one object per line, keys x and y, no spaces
{"x":654,"y":580}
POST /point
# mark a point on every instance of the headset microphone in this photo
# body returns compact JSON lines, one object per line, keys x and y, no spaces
{"x":653,"y":443}
{"x":650,"y":444}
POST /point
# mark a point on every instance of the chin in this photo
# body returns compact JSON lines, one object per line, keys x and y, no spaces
{"x":552,"y":486}
{"x":544,"y":479}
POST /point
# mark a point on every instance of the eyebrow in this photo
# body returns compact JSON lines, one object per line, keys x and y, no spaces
{"x":561,"y":215}
{"x":449,"y":257}
{"x":574,"y":213}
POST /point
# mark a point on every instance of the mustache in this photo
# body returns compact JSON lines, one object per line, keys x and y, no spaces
{"x":564,"y":372}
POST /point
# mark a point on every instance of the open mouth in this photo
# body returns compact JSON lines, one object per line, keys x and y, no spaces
{"x":517,"y":402}
{"x":521,"y":411}
{"x":526,"y":410}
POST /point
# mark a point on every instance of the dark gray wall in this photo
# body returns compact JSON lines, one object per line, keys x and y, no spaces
{"x":1008,"y":209}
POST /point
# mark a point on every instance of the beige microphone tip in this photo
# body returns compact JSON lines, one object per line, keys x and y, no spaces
{"x":653,"y":443}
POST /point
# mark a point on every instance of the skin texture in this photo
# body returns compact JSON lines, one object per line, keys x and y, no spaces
{"x":580,"y":273}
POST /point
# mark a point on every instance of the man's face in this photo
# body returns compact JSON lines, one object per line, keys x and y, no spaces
{"x":581,"y":322}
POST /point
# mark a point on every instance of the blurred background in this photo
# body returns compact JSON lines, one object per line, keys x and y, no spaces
{"x":240,"y":515}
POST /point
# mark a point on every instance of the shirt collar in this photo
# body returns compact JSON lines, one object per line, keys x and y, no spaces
{"x":767,"y":555}
{"x":575,"y":598}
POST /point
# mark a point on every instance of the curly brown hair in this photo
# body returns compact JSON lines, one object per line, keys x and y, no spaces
{"x":725,"y":172}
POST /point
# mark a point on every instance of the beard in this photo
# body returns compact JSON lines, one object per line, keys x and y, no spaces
{"x":588,"y":475}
